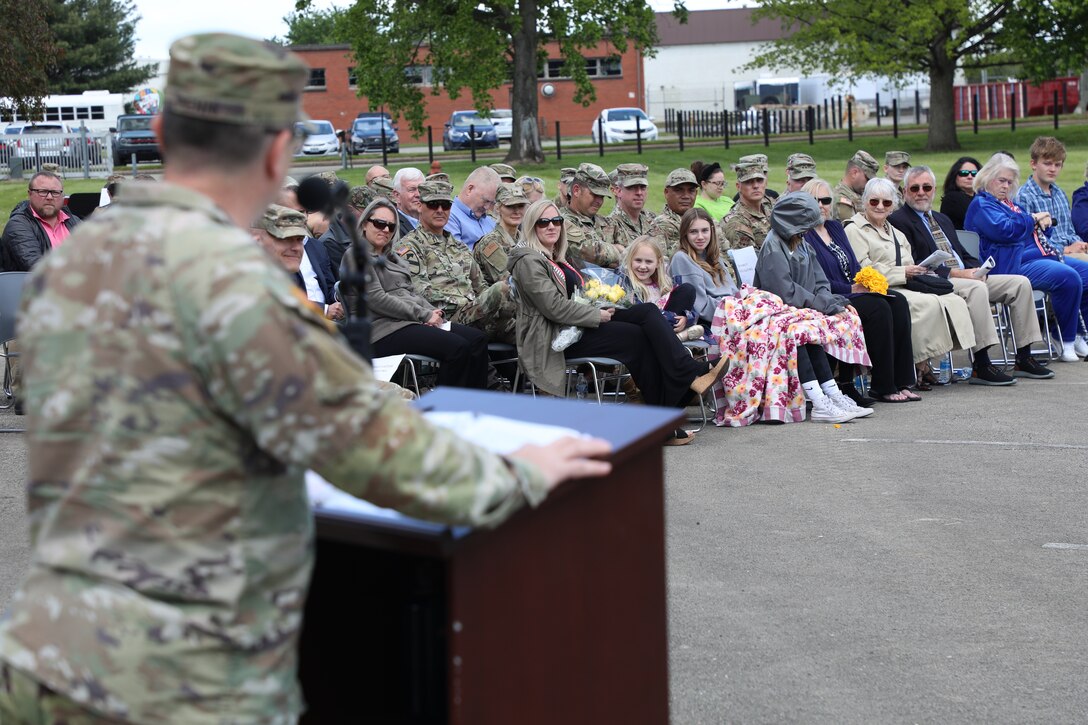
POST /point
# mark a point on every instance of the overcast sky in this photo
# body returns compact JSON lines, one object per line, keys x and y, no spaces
{"x":163,"y":22}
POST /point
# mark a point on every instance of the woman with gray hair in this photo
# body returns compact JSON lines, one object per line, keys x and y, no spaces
{"x":1018,"y":242}
{"x":403,"y":320}
{"x":939,"y":322}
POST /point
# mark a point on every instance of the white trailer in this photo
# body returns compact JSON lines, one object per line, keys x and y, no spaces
{"x":98,"y":110}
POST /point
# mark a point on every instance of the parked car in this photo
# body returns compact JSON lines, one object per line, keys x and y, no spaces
{"x":503,"y":121}
{"x":29,"y":143}
{"x":624,"y":124}
{"x":366,"y":135}
{"x":134,"y":136}
{"x":464,"y":126}
{"x":322,"y":140}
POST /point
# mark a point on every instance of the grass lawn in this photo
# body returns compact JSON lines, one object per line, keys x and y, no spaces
{"x":830,"y":156}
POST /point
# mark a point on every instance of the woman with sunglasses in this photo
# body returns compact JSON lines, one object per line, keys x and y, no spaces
{"x":959,"y":189}
{"x":711,"y":185}
{"x":939,"y":322}
{"x":885,"y":319}
{"x":405,"y":322}
{"x":637,"y":336}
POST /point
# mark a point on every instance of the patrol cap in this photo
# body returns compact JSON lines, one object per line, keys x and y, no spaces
{"x":680,"y":176}
{"x":440,"y":176}
{"x":566,"y":174}
{"x":897,"y":158}
{"x":593,"y":178}
{"x":115,"y":178}
{"x":435,"y":191}
{"x":800,"y":167}
{"x":382,"y":186}
{"x":864,"y":161}
{"x":511,"y":195}
{"x":747,"y":170}
{"x":329,"y":177}
{"x":626,"y":175}
{"x":505,"y":171}
{"x":51,"y":168}
{"x":360,"y":196}
{"x":754,"y":159}
{"x":233,"y":79}
{"x":282,"y":222}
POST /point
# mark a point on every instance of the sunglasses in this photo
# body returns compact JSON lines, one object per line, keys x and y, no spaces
{"x":877,"y":202}
{"x":383,"y":226}
{"x":555,"y":221}
{"x":825,"y":200}
{"x":446,"y":205}
{"x":915,"y":188}
{"x":967,"y":172}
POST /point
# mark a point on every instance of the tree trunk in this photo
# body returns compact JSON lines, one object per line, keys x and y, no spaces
{"x":942,"y":112}
{"x":525,"y":142}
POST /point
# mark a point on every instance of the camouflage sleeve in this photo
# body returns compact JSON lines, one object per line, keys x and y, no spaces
{"x":607,"y":255}
{"x":418,"y":266}
{"x":844,"y":209}
{"x":273,"y":366}
{"x":736,"y":233}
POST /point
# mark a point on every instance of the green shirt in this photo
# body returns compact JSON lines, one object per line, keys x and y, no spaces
{"x":716,"y":209}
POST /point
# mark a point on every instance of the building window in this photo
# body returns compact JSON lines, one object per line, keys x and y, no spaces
{"x":353,"y":80}
{"x":420,"y":75}
{"x":595,"y":68}
{"x":317,"y":78}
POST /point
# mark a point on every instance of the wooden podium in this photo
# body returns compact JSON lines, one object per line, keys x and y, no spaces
{"x":556,"y":616}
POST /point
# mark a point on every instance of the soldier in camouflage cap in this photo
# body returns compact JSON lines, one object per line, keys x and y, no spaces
{"x":329,"y":177}
{"x":506,"y":172}
{"x":490,"y":252}
{"x":360,"y":197}
{"x":440,"y":176}
{"x":566,"y":175}
{"x":168,"y":581}
{"x":589,"y":234}
{"x":280,"y":231}
{"x":896,"y":164}
{"x":630,"y":219}
{"x":799,"y":169}
{"x":382,"y":186}
{"x":747,"y":223}
{"x":859,"y":169}
{"x":680,"y":190}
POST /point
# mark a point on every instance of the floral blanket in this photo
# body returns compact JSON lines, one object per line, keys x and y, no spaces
{"x":759,"y":334}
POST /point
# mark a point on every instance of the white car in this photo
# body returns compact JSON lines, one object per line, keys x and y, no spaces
{"x":623,"y":124}
{"x":322,"y":141}
{"x":503,"y":121}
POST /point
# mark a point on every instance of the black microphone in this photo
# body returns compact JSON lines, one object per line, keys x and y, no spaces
{"x":314,"y":194}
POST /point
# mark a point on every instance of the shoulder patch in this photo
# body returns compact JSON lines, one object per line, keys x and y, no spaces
{"x":491,"y":248}
{"x":403,"y":250}
{"x":844,"y":200}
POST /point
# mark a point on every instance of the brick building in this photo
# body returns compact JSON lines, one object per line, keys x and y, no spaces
{"x":619,"y":80}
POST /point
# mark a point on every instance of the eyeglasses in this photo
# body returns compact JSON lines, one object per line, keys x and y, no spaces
{"x":967,"y":172}
{"x":543,"y":222}
{"x":877,"y":202}
{"x":446,"y":205}
{"x":915,"y":188}
{"x":48,"y":193}
{"x":383,"y":226}
{"x":530,"y":179}
{"x":825,"y":200}
{"x":718,"y":184}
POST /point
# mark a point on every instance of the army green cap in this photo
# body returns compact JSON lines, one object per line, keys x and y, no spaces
{"x":897,"y":158}
{"x":626,"y":175}
{"x":593,"y":178}
{"x":382,"y":186}
{"x":505,"y":171}
{"x":290,"y":182}
{"x":435,"y":191}
{"x":754,"y":159}
{"x":680,"y":176}
{"x":51,"y":168}
{"x":800,"y":167}
{"x":746,"y":169}
{"x":329,"y":177}
{"x":566,"y":174}
{"x":440,"y":176}
{"x":115,"y":178}
{"x":360,"y":196}
{"x":864,"y":161}
{"x":232,"y":79}
{"x":511,"y":195}
{"x":282,"y":222}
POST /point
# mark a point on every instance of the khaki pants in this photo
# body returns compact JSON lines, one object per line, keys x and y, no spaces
{"x":1014,"y":291}
{"x":23,"y":701}
{"x":15,"y":368}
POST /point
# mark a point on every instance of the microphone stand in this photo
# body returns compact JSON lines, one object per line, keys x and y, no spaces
{"x":357,"y":327}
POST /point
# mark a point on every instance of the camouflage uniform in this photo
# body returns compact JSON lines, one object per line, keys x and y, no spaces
{"x":743,"y":227}
{"x":665,"y":229}
{"x":447,"y":276}
{"x":491,"y":252}
{"x":847,"y":201}
{"x":178,"y":386}
{"x":589,"y":237}
{"x":625,"y":231}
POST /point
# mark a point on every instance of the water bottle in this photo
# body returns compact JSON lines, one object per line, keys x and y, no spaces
{"x":964,"y":373}
{"x":944,"y":375}
{"x":581,"y":386}
{"x":861,"y":384}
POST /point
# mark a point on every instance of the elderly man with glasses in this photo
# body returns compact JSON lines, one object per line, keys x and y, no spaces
{"x":929,"y":231}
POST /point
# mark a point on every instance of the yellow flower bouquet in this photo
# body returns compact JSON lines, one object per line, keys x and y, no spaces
{"x":872,"y":280}
{"x":603,"y":295}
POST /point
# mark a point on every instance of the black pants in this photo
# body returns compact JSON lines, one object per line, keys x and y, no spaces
{"x":644,"y":342}
{"x":462,"y":351}
{"x":886,"y":324}
{"x":812,"y":364}
{"x":682,"y":299}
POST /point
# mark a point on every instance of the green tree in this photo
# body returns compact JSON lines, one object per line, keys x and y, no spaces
{"x":97,"y":38}
{"x":311,"y":26}
{"x":866,"y":38}
{"x":27,"y":50}
{"x":479,"y":46}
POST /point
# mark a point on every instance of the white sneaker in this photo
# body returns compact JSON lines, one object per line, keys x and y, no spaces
{"x":849,"y":406}
{"x":1080,"y":346}
{"x":1069,"y":353}
{"x":824,"y":410}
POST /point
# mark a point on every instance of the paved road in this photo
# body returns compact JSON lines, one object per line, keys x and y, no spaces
{"x":897,"y":569}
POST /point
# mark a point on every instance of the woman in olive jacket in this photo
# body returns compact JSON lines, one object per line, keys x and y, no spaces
{"x":638,"y":336}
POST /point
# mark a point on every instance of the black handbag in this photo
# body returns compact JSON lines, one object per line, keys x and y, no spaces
{"x":930,"y":284}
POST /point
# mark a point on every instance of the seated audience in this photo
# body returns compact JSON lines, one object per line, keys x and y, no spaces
{"x":700,"y":264}
{"x":680,"y":189}
{"x":885,"y":319}
{"x":747,"y":224}
{"x":1042,"y":193}
{"x":646,"y":280}
{"x":711,"y":189}
{"x":637,"y":336}
{"x":959,"y":189}
{"x":1019,"y":244}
